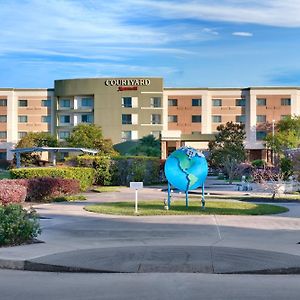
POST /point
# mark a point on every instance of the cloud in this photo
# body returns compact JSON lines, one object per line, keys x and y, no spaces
{"x":91,"y":29}
{"x":242,"y":33}
{"x":265,"y":12}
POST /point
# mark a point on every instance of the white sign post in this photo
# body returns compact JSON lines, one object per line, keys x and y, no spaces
{"x":136,"y":186}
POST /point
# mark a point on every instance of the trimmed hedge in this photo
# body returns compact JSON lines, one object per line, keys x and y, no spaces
{"x":125,"y":169}
{"x":121,"y":170}
{"x":11,"y":193}
{"x":17,"y":226}
{"x":101,"y":164}
{"x":84,"y":175}
{"x":45,"y":188}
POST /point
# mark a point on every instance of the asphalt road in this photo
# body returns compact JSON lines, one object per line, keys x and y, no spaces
{"x":19,"y":285}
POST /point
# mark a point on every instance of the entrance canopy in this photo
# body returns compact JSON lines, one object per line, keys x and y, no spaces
{"x":52,"y":150}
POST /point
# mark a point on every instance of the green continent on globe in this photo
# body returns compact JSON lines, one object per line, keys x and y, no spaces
{"x":192,"y":179}
{"x":185,"y":163}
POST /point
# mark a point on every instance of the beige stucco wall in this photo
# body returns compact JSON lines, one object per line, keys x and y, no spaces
{"x":108,"y":108}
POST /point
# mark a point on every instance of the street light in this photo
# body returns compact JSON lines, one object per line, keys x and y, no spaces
{"x":273,"y":133}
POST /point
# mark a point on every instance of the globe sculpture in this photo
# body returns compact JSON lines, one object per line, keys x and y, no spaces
{"x":186,"y":169}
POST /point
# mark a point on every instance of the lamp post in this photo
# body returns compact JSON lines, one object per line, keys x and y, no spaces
{"x":273,"y":133}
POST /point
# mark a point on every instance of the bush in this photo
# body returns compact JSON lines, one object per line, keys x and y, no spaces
{"x":84,"y":175}
{"x":258,"y":163}
{"x":286,"y":167}
{"x":101,"y":164}
{"x":12,"y":193}
{"x":45,"y":188}
{"x":17,"y":226}
{"x":126,"y":169}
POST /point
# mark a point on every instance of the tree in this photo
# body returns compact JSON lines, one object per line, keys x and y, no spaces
{"x":147,"y":146}
{"x":227,"y":151}
{"x":287,"y":135}
{"x":90,"y":136}
{"x":270,"y":179}
{"x":35,"y":139}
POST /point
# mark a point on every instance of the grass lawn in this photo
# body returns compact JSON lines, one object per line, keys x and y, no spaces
{"x":255,"y":198}
{"x":151,"y":208}
{"x":103,"y":189}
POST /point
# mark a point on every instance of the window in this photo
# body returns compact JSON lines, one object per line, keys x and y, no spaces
{"x":196,"y":119}
{"x":261,"y":118}
{"x":155,"y":119}
{"x":23,"y":103}
{"x":66,"y":103}
{"x":155,"y":102}
{"x":64,"y":134}
{"x":87,"y":118}
{"x":22,"y":119}
{"x":126,"y":102}
{"x":64,"y":119}
{"x":3,"y":102}
{"x":196,"y":102}
{"x":126,"y":119}
{"x":261,"y":101}
{"x":45,"y":119}
{"x":217,"y":119}
{"x":3,"y":134}
{"x":216,"y":102}
{"x":126,"y":136}
{"x":87,"y":102}
{"x":260,"y":135}
{"x":21,"y":134}
{"x":3,"y":119}
{"x":172,"y":102}
{"x":285,"y":101}
{"x":3,"y":155}
{"x":172,"y":119}
{"x":46,"y":103}
{"x":240,"y":102}
{"x":283,"y":117}
{"x":240,"y":119}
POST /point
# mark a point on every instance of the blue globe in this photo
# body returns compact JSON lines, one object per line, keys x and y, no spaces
{"x":186,"y":169}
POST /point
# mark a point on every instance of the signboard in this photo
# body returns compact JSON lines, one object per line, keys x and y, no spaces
{"x":136,"y":185}
{"x":127,"y":82}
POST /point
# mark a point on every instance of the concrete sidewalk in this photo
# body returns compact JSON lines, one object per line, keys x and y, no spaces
{"x":76,"y":240}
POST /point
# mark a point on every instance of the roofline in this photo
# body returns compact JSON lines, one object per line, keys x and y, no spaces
{"x":26,"y":89}
{"x":233,"y":88}
{"x":127,"y":77}
{"x":53,"y":149}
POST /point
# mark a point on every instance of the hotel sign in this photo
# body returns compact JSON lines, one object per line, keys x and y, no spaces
{"x":127,"y":82}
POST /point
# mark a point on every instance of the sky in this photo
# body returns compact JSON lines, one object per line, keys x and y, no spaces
{"x":190,"y":43}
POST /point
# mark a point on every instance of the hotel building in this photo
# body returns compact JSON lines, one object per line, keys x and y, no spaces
{"x":130,"y":108}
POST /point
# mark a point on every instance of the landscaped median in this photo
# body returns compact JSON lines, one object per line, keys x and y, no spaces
{"x":152,"y":208}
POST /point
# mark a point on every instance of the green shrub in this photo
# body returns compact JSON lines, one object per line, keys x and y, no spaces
{"x":132,"y":168}
{"x":84,"y":175}
{"x":120,"y":170}
{"x":17,"y":226}
{"x":286,"y":167}
{"x":258,"y":163}
{"x":101,"y":164}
